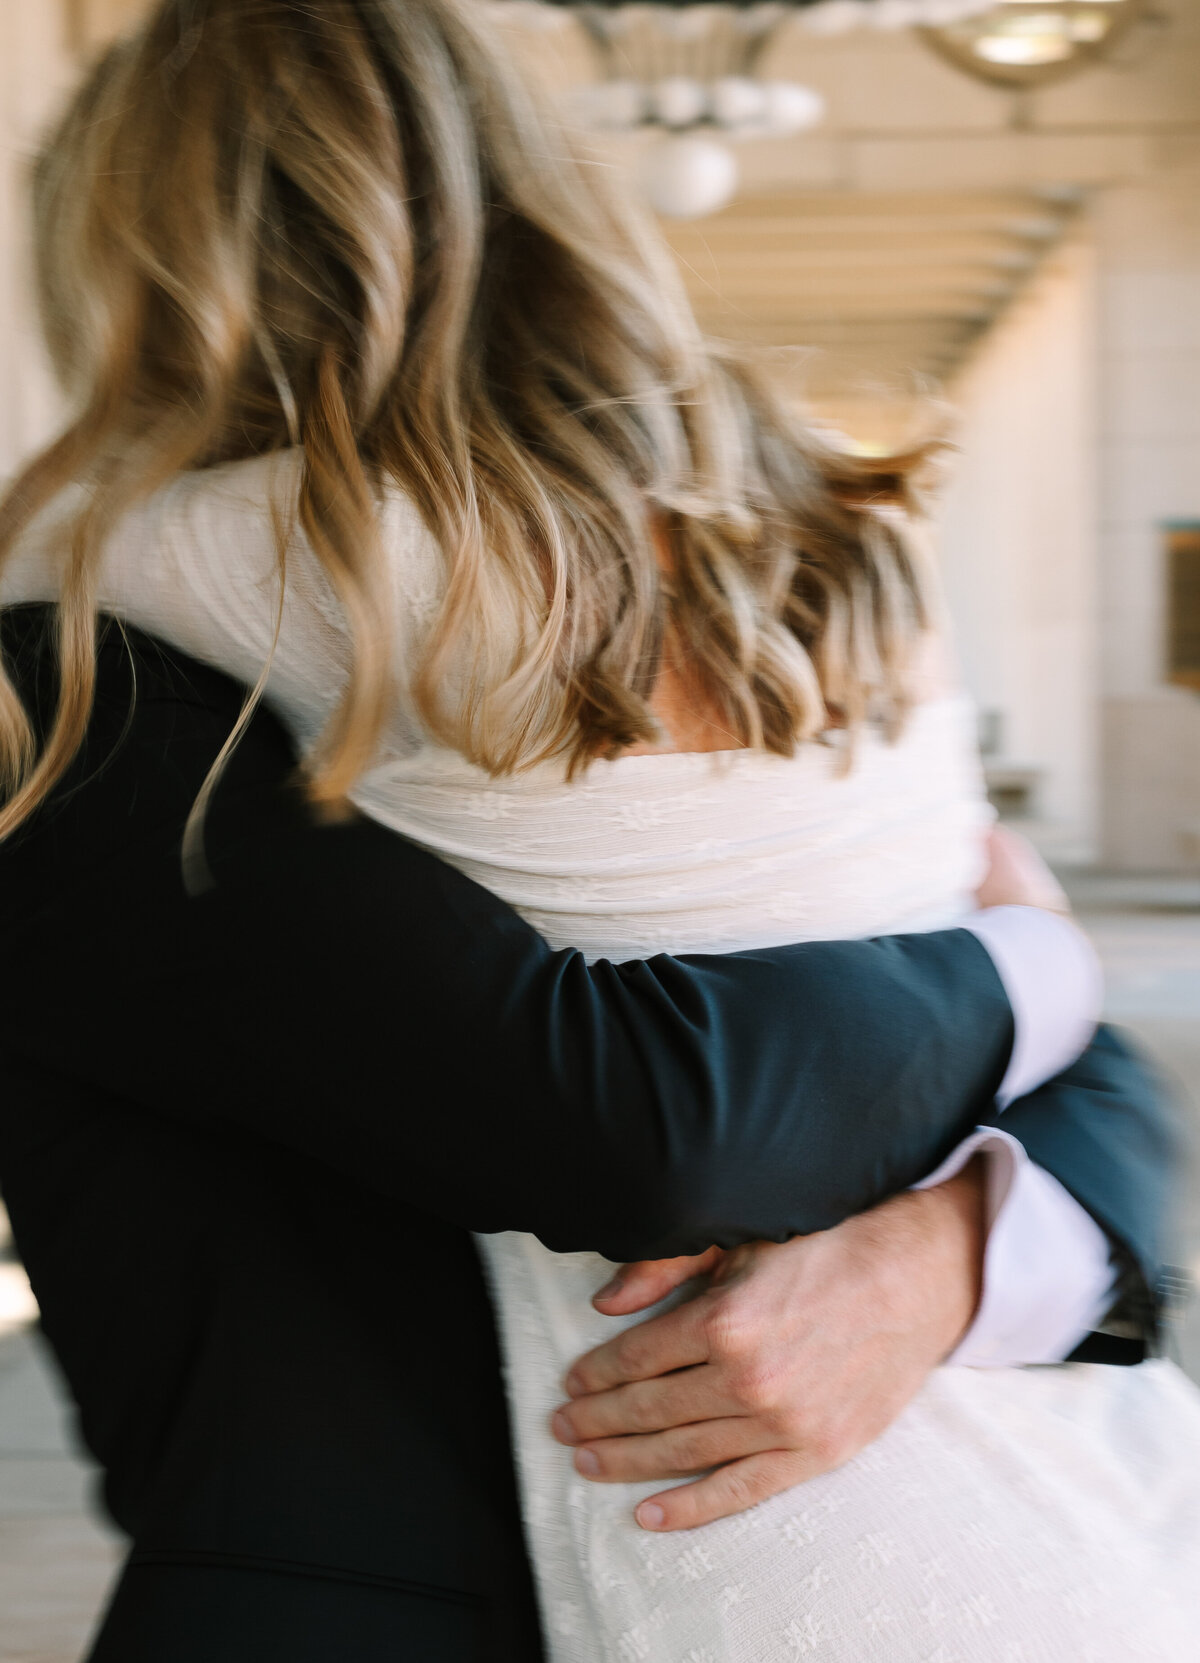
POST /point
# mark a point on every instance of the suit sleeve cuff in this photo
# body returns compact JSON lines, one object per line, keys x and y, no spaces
{"x":1048,"y":1278}
{"x":1052,"y":978}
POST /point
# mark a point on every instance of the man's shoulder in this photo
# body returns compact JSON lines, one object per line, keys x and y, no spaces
{"x":159,"y":722}
{"x":130,"y":664}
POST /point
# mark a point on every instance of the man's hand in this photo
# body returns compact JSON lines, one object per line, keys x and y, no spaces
{"x":790,"y":1361}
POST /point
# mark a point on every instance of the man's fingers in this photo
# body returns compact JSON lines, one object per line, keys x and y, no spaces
{"x":731,"y":1489}
{"x":674,"y":1340}
{"x":636,"y":1286}
{"x":677,"y":1453}
{"x":676,"y":1399}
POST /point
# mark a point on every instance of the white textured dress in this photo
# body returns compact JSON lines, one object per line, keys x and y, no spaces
{"x":1046,"y":1515}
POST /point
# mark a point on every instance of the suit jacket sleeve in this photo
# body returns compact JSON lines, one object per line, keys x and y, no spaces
{"x":1103,"y":1130}
{"x":338,"y":990}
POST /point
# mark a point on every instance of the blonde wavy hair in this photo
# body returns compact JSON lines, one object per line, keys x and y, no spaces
{"x":349,"y":226}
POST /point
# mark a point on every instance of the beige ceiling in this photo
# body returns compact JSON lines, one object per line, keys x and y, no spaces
{"x":821,"y":252}
{"x":885,"y":286}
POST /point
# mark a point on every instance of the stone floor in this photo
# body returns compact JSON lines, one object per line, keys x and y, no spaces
{"x":56,"y":1560}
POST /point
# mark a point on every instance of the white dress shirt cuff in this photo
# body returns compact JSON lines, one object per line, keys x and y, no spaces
{"x":1047,"y":1273}
{"x":1053,"y":981}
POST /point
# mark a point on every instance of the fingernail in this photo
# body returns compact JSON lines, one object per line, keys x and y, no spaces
{"x":614,"y":1287}
{"x":587,"y":1462}
{"x":573,"y":1385}
{"x":649,"y":1515}
{"x":560,"y":1425}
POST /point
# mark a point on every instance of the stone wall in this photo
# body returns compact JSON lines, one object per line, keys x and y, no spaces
{"x":1148,"y":236}
{"x":35,"y":68}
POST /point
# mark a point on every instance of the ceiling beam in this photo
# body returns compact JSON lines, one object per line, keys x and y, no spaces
{"x":894,"y":290}
{"x":934,"y":206}
{"x":800,"y":246}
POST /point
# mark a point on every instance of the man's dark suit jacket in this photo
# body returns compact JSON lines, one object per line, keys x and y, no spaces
{"x":246,"y":1132}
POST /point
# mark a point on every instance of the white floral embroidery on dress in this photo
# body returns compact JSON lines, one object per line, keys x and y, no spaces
{"x":492,"y":805}
{"x":805,"y":1634}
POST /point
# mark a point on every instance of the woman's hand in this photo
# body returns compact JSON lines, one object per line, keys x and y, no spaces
{"x":1017,"y":876}
{"x":791,"y":1360}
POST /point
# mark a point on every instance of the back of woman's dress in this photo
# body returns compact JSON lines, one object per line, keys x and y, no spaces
{"x":1011,"y":1514}
{"x":1047,"y":1515}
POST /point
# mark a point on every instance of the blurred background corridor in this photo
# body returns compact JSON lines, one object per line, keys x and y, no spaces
{"x":998,"y":215}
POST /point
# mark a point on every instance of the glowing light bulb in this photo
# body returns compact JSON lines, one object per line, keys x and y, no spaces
{"x":687,"y":176}
{"x":737,"y":101}
{"x":788,"y":108}
{"x":679,"y":101}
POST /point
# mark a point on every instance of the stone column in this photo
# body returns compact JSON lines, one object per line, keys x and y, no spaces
{"x":1148,"y":237}
{"x":35,"y":68}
